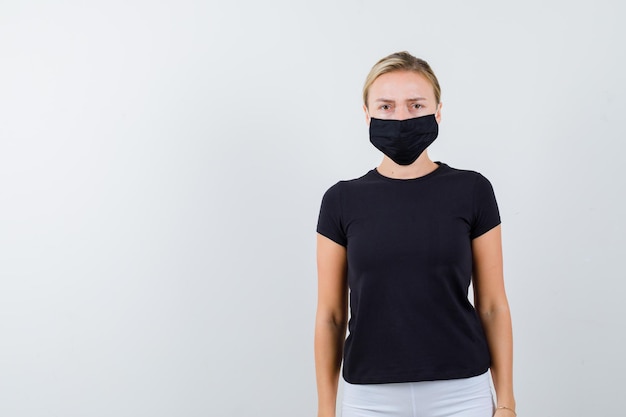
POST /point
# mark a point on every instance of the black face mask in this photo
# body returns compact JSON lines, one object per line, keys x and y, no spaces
{"x":403,"y":140}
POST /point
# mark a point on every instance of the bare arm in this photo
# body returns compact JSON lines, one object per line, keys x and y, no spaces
{"x":330,"y":321}
{"x":493,"y":308}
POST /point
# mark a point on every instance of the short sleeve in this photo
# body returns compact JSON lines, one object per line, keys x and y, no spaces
{"x":486,"y":215}
{"x":330,"y":223}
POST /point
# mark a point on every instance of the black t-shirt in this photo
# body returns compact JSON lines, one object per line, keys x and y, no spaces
{"x":409,"y":256}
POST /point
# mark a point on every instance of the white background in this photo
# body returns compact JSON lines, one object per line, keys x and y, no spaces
{"x":162,"y":165}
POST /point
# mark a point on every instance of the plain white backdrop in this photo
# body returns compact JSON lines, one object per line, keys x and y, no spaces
{"x":161,"y":169}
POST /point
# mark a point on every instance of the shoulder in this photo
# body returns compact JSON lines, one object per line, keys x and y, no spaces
{"x":466,"y":176}
{"x":344,"y":185}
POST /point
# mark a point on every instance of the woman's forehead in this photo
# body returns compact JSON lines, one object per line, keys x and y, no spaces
{"x":405,"y":85}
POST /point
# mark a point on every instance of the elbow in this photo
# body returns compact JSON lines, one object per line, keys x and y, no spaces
{"x":488,"y":312}
{"x":332,"y":319}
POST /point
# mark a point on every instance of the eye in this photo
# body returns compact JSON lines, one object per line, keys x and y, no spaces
{"x":385,"y":107}
{"x":417,"y":106}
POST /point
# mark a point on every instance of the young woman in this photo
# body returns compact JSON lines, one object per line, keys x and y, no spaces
{"x":405,"y":240}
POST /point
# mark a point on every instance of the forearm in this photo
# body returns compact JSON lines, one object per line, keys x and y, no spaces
{"x":498,"y":330}
{"x":329,"y":339}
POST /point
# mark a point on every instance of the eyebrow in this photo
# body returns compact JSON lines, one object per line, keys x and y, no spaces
{"x":387,"y":100}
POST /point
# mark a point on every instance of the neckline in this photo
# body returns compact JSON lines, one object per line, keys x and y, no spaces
{"x":441,"y":167}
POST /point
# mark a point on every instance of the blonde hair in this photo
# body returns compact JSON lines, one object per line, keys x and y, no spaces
{"x":401,"y":61}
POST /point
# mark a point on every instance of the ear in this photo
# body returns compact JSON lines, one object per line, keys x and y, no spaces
{"x":438,"y":112}
{"x":367,"y":115}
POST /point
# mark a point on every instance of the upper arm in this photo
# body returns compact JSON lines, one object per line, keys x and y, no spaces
{"x":332,"y":280}
{"x":488,"y":277}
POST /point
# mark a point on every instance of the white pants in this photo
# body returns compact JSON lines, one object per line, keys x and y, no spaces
{"x":467,"y":397}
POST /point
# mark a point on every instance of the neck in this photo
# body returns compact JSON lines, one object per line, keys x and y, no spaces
{"x":422,"y":166}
